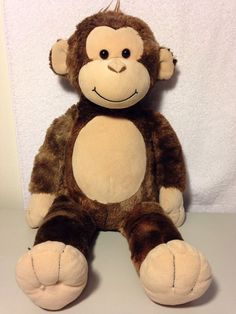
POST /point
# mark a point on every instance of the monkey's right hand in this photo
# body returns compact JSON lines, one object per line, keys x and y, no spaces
{"x":38,"y":208}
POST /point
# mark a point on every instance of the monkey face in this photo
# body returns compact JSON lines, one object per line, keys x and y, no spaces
{"x":114,"y":78}
{"x":112,"y":59}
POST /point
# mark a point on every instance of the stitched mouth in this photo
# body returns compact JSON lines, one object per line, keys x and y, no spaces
{"x":135,"y":92}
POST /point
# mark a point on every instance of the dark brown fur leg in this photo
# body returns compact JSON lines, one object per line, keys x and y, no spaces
{"x":67,"y":223}
{"x":146,"y":227}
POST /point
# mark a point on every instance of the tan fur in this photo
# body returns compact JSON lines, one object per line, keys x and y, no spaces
{"x":167,"y":65}
{"x":106,"y":166}
{"x":175,"y":273}
{"x":58,"y":57}
{"x":38,"y":208}
{"x":53,"y":273}
{"x":170,"y":198}
{"x":104,"y":37}
{"x":124,"y":89}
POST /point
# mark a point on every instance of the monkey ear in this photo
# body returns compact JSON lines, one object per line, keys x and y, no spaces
{"x":167,"y":64}
{"x":58,"y":56}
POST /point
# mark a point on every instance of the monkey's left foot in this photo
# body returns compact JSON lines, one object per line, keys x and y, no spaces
{"x":175,"y":273}
{"x":52,"y":274}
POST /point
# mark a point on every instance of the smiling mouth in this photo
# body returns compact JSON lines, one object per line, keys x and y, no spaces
{"x":135,"y":92}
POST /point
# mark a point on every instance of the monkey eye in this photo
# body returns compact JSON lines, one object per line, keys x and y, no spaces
{"x":125,"y":53}
{"x":104,"y":54}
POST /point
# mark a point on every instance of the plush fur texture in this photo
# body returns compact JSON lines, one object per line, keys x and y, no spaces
{"x":48,"y":165}
{"x":68,"y":224}
{"x":77,"y":42}
{"x":74,"y":218}
{"x":146,"y":227}
{"x":165,"y":165}
{"x":52,"y":274}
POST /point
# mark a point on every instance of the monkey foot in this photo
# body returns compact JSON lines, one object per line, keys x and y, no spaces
{"x":175,"y":273}
{"x":52,"y":274}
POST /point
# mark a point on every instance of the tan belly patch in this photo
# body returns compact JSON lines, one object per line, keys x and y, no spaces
{"x":109,"y":159}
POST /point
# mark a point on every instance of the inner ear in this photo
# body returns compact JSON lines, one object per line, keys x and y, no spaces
{"x":58,"y":56}
{"x":166,"y":64}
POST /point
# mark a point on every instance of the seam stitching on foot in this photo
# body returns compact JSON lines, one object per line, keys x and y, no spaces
{"x":32,"y":263}
{"x":59,"y":263}
{"x":174,"y":268}
{"x":199,"y":271}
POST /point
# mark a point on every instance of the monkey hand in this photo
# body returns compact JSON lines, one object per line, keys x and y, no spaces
{"x":171,"y":200}
{"x":38,"y":208}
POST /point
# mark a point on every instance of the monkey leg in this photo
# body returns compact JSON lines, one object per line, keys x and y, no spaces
{"x":54,"y":272}
{"x":171,"y":271}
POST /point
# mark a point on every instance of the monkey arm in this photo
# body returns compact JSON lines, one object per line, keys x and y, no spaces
{"x":170,"y":168}
{"x":48,"y":167}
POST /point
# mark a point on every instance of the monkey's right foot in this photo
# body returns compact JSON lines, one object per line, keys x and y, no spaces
{"x":175,"y":273}
{"x":52,"y":274}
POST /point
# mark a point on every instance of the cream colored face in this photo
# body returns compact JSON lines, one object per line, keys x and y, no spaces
{"x":114,"y":78}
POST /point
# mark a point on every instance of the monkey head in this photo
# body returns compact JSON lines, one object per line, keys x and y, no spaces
{"x":112,"y":59}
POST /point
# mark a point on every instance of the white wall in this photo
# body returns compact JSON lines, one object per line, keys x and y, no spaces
{"x":200,"y":102}
{"x":10,"y":185}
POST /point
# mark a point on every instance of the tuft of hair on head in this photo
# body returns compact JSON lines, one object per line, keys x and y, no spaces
{"x":116,"y":9}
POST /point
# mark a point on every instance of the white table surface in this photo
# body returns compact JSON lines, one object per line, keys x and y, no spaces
{"x":113,"y":285}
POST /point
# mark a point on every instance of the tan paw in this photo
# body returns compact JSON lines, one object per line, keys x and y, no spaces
{"x":52,"y":274}
{"x":175,"y":273}
{"x":171,"y":200}
{"x":38,"y":208}
{"x":177,"y":216}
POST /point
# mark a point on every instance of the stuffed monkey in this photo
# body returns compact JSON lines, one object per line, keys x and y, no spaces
{"x":110,"y":163}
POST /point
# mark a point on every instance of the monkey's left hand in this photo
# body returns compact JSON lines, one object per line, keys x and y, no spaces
{"x":171,"y":200}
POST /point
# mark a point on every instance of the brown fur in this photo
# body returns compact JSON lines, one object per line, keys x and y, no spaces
{"x":68,"y":224}
{"x":168,"y":155}
{"x":165,"y":165}
{"x":49,"y":162}
{"x":77,"y":42}
{"x":146,"y":227}
{"x":73,"y":217}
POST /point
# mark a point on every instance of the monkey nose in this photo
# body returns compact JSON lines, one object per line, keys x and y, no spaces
{"x":116,"y":65}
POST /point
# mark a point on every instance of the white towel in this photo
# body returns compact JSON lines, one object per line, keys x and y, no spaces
{"x":200,"y":102}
